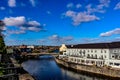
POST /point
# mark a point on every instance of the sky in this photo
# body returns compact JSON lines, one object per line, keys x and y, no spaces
{"x":54,"y":22}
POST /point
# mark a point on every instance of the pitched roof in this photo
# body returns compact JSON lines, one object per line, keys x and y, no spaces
{"x":96,"y":45}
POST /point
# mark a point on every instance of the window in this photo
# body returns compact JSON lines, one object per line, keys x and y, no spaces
{"x":113,"y":56}
{"x":92,"y":56}
{"x":78,"y":60}
{"x":105,"y":51}
{"x":88,"y":50}
{"x":101,"y":51}
{"x":96,"y":56}
{"x":105,"y":56}
{"x":95,"y":51}
{"x":117,"y":64}
{"x":111,"y":63}
{"x":91,"y":51}
{"x":80,"y":52}
{"x":88,"y":55}
{"x":84,"y":52}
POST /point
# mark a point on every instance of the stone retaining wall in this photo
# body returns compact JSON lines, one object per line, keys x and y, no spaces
{"x":105,"y":71}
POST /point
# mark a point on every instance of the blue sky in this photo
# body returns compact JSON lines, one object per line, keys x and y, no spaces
{"x":53,"y":22}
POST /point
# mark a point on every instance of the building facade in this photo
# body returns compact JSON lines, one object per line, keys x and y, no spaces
{"x":99,"y":54}
{"x":63,"y":48}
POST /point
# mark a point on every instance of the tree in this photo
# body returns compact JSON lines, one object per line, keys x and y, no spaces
{"x":2,"y":44}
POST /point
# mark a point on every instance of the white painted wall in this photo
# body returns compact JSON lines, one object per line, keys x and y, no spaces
{"x":103,"y":55}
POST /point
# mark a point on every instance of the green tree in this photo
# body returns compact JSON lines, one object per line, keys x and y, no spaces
{"x":2,"y":45}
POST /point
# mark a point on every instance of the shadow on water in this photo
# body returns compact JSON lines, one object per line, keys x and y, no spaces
{"x":46,"y":69}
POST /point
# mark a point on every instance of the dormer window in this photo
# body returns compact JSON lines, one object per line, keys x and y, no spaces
{"x":71,"y":45}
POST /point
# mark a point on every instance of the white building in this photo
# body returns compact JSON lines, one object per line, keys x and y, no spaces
{"x":32,"y":47}
{"x":99,"y":54}
{"x":63,"y":48}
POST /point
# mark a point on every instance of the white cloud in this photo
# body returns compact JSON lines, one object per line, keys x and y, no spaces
{"x":78,"y":5}
{"x":70,"y":13}
{"x":48,"y":12}
{"x":110,"y":33}
{"x":36,"y":29}
{"x":58,"y":39}
{"x":70,"y":5}
{"x":2,"y":27}
{"x":2,"y":8}
{"x":104,"y":3}
{"x":14,"y":21}
{"x":98,"y":9}
{"x":12,"y":3}
{"x":117,"y":6}
{"x":33,"y":23}
{"x":80,"y":17}
{"x":22,"y":24}
{"x":16,"y":31}
{"x":88,"y":14}
{"x":32,"y":3}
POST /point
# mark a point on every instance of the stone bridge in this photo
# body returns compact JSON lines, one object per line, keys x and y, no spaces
{"x":41,"y":54}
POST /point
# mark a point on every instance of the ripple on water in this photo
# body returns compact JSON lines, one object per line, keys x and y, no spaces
{"x":47,"y":69}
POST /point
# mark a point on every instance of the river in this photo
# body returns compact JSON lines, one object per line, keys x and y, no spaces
{"x":46,"y":69}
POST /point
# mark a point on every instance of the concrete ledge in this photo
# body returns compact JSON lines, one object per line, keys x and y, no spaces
{"x":109,"y":73}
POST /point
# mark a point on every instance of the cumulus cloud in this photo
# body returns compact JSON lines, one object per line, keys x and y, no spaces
{"x":14,"y":21}
{"x":59,"y":39}
{"x":88,"y":14}
{"x":12,"y":3}
{"x":80,"y":17}
{"x":2,"y":8}
{"x":117,"y":6}
{"x":32,"y":2}
{"x":16,"y":31}
{"x":23,"y":25}
{"x":70,"y":5}
{"x":97,"y":9}
{"x":110,"y":33}
{"x":100,"y":8}
{"x":78,"y":5}
{"x":104,"y":3}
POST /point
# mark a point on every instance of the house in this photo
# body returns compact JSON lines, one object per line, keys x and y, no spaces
{"x":99,"y":54}
{"x":63,"y":48}
{"x":23,"y":48}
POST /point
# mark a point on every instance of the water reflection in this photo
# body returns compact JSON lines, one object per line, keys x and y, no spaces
{"x":47,"y":69}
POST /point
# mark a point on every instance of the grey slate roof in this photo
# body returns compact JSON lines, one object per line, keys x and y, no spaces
{"x":96,"y":45}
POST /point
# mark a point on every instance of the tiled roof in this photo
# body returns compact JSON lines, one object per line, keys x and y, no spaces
{"x":96,"y":45}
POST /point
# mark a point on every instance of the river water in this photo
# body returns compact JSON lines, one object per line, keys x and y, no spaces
{"x":46,"y":69}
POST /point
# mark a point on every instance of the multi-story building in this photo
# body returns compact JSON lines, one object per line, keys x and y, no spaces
{"x":63,"y":48}
{"x":99,"y":54}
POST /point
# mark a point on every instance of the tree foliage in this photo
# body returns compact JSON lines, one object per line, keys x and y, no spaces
{"x":2,"y":45}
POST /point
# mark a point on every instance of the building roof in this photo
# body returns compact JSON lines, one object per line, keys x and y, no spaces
{"x":96,"y":45}
{"x":23,"y":46}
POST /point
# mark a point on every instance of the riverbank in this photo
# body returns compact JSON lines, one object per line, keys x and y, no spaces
{"x":23,"y":75}
{"x":112,"y":74}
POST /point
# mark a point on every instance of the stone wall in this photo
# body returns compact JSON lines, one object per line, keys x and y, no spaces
{"x":106,"y":71}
